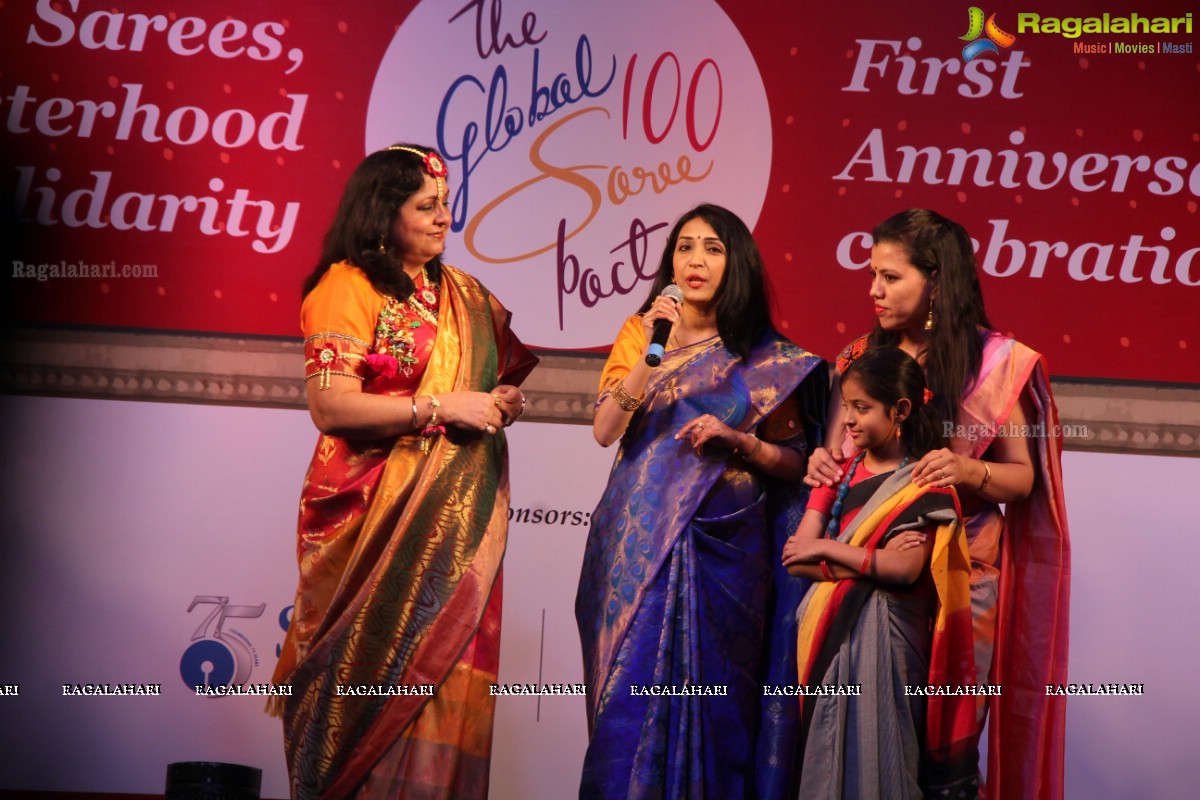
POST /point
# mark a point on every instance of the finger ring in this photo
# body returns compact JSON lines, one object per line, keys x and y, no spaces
{"x":488,"y":428}
{"x":496,"y":400}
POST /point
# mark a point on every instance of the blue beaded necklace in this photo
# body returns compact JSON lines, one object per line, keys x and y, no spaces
{"x":835,"y":513}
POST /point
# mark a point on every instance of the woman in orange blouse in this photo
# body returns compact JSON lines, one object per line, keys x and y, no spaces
{"x":411,"y":374}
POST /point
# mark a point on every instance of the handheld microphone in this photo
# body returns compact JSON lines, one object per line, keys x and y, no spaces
{"x":662,"y":328}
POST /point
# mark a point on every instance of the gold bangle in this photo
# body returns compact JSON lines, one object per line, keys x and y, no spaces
{"x":624,"y":399}
{"x":434,"y":404}
{"x":987,"y":478}
{"x":747,"y":456}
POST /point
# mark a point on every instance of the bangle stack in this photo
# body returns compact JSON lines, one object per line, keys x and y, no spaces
{"x":624,"y":399}
{"x":866,"y":565}
{"x":825,"y":570}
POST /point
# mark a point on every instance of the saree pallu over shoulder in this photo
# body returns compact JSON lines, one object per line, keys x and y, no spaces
{"x":1026,"y":728}
{"x":1022,"y":609}
{"x":845,"y":636}
{"x":419,"y":574}
{"x":675,"y":581}
{"x":657,"y":484}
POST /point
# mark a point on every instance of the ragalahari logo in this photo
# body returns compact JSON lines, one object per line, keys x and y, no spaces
{"x":976,"y":27}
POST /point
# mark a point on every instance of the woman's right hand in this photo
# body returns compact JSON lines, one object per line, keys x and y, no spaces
{"x":824,"y":468}
{"x":475,"y":411}
{"x":663,"y":308}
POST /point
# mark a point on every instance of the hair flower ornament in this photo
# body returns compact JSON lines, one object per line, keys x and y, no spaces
{"x":434,"y":165}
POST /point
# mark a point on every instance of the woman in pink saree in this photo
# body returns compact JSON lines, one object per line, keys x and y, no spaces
{"x":1005,"y":450}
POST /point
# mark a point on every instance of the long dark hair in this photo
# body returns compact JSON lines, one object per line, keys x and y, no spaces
{"x":370,"y":204}
{"x":954,"y":351}
{"x":743,"y":300}
{"x":889,"y":375}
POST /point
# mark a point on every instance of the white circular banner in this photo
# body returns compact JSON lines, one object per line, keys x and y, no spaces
{"x":576,"y":133}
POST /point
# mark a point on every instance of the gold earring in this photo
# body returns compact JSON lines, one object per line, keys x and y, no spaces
{"x":383,"y":249}
{"x":930,"y":321}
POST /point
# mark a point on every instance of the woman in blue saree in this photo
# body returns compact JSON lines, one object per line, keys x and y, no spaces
{"x":679,"y":591}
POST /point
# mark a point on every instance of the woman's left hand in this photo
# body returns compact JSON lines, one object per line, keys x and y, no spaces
{"x":943,"y":468}
{"x":510,"y":401}
{"x":707,"y":428}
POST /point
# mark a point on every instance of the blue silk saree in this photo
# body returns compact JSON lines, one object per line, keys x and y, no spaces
{"x":682,"y":594}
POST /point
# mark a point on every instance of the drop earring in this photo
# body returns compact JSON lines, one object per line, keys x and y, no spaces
{"x":930,"y":321}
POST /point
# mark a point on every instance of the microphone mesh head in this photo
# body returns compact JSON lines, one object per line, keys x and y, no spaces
{"x":672,"y":291}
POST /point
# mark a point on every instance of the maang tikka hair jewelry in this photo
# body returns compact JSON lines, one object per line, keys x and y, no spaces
{"x":433,"y":163}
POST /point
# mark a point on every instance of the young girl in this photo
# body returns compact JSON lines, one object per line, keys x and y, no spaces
{"x":888,"y":615}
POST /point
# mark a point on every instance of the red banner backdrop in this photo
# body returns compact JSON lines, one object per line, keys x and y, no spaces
{"x":175,"y":168}
{"x":1077,"y":173}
